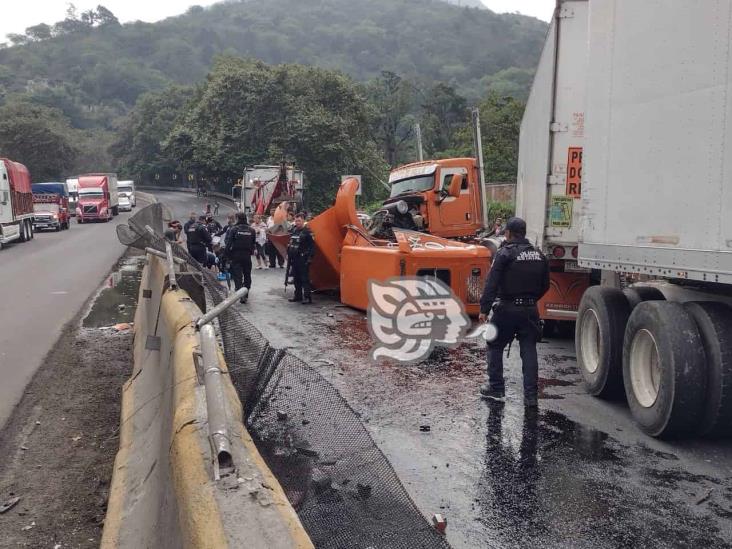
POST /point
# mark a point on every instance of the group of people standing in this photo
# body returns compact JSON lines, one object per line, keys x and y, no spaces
{"x":232,"y":247}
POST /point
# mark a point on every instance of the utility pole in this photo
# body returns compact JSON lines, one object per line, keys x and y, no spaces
{"x":478,"y":146}
{"x":418,"y":133}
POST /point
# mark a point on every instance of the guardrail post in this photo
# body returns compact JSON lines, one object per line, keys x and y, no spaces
{"x":158,"y":253}
{"x":216,"y":411}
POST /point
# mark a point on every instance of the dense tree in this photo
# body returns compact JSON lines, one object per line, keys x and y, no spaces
{"x":394,"y":102}
{"x":500,"y":120}
{"x":39,"y":137}
{"x":427,"y":41}
{"x":444,"y":112}
{"x":39,"y":32}
{"x":138,"y":147}
{"x":249,"y":113}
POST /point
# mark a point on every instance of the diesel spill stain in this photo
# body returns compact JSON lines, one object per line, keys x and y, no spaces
{"x":552,"y":482}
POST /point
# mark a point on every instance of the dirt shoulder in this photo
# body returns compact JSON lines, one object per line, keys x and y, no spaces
{"x":59,"y":445}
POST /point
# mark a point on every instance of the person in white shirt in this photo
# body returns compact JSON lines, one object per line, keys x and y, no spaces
{"x":260,"y":231}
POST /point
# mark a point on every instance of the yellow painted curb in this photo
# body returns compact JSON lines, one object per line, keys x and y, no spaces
{"x":198,"y":512}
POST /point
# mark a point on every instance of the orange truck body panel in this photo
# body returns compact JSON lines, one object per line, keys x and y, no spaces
{"x":347,"y":257}
{"x":562,"y":300}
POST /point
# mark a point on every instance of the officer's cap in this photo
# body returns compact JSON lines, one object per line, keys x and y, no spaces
{"x":516,"y":225}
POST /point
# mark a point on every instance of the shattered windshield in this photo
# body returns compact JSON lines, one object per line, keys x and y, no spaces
{"x":418,"y":184}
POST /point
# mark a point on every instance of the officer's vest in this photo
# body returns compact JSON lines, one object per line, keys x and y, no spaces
{"x":194,"y":234}
{"x":242,"y":238}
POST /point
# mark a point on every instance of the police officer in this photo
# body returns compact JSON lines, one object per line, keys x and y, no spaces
{"x":239,"y":249}
{"x":300,"y":253}
{"x":198,"y":239}
{"x":519,"y":278}
{"x":212,"y":226}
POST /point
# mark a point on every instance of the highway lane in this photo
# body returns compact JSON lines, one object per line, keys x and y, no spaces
{"x":43,"y":284}
{"x":181,"y":204}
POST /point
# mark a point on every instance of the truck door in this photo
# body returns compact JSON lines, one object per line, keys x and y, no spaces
{"x":6,"y":208}
{"x":456,"y":214}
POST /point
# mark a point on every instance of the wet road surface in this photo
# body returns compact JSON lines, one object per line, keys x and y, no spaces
{"x":577,"y":473}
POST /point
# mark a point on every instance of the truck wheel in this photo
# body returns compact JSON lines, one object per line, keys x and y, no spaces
{"x":115,"y":210}
{"x":79,"y":220}
{"x":58,"y":227}
{"x":714,"y":321}
{"x":639,"y":294}
{"x":599,"y":331}
{"x":663,"y":369}
{"x":23,"y":231}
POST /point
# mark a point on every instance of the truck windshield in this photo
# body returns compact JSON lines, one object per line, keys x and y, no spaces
{"x":125,"y":188}
{"x":91,"y":192}
{"x":413,"y":184}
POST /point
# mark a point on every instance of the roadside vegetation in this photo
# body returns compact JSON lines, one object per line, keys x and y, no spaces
{"x":336,"y":86}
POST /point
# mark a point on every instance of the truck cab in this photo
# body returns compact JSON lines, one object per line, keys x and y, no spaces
{"x":441,"y":197}
{"x":98,"y":198}
{"x":50,"y":206}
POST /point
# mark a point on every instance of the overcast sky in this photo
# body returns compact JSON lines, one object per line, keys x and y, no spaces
{"x":20,"y":14}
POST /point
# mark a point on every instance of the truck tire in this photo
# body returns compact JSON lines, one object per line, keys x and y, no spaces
{"x":115,"y":210}
{"x":24,"y":231}
{"x":639,"y":294}
{"x":599,"y":332}
{"x":714,"y":321}
{"x":663,"y":369}
{"x":79,"y":220}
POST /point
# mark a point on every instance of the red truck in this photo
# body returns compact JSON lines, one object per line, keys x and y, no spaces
{"x":16,"y":202}
{"x":98,"y":198}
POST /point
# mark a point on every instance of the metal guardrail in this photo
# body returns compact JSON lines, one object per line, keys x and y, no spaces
{"x":158,"y":253}
{"x":216,"y":411}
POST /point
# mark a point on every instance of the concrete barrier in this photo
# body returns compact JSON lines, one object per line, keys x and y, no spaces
{"x":163,"y":491}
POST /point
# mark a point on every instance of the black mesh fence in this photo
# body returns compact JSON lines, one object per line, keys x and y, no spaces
{"x":341,"y":485}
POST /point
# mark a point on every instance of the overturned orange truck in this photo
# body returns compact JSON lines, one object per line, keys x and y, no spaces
{"x":348,"y":255}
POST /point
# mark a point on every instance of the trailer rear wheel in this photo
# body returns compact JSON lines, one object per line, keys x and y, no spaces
{"x":599,"y":331}
{"x":663,"y":369}
{"x":639,"y":294}
{"x":714,"y":321}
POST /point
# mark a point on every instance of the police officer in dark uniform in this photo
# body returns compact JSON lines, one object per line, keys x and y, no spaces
{"x":239,"y":249}
{"x":300,"y":253}
{"x":198,"y":239}
{"x":519,"y":277}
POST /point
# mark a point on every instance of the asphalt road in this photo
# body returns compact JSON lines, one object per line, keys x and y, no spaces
{"x":578,"y":473}
{"x":182,"y":204}
{"x":44,"y":283}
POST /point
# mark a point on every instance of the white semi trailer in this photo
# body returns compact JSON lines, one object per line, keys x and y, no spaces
{"x":656,"y":202}
{"x":551,"y":150}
